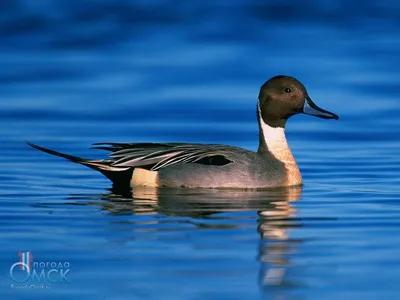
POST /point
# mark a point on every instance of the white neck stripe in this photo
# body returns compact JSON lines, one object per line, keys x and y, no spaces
{"x":276,"y":143}
{"x":273,"y":136}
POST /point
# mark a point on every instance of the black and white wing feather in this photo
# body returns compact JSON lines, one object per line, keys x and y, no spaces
{"x":155,"y":156}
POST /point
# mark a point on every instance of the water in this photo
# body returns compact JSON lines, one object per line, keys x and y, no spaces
{"x":76,"y":73}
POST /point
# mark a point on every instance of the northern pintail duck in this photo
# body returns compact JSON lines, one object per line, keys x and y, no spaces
{"x":215,"y":166}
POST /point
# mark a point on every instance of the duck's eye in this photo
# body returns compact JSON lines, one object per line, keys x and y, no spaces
{"x":287,"y":90}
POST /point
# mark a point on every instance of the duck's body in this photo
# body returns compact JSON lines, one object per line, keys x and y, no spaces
{"x":215,"y":166}
{"x":224,"y":167}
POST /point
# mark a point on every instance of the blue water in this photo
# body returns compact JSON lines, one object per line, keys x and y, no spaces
{"x":78,"y":72}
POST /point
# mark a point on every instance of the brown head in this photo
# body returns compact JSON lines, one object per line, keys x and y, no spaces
{"x":282,"y":97}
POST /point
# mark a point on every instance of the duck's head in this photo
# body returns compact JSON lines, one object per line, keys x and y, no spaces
{"x":282,"y":97}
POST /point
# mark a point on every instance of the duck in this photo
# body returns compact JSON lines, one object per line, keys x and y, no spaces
{"x":186,"y":165}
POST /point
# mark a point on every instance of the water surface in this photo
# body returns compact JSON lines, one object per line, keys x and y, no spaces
{"x":76,"y":73}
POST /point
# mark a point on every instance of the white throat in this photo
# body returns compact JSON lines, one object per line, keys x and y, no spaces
{"x":275,"y":140}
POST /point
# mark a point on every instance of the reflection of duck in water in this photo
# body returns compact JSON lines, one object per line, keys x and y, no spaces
{"x":276,"y":217}
{"x":274,"y":227}
{"x":216,"y":166}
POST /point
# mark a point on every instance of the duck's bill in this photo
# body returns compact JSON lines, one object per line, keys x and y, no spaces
{"x":310,"y":108}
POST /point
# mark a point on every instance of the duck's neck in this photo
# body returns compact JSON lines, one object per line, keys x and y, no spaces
{"x":273,"y":141}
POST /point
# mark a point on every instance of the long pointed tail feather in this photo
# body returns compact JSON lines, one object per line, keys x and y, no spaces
{"x":72,"y":158}
{"x":120,"y":176}
{"x":99,"y":165}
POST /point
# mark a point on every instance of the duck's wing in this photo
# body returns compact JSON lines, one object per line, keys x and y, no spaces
{"x":154,"y":156}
